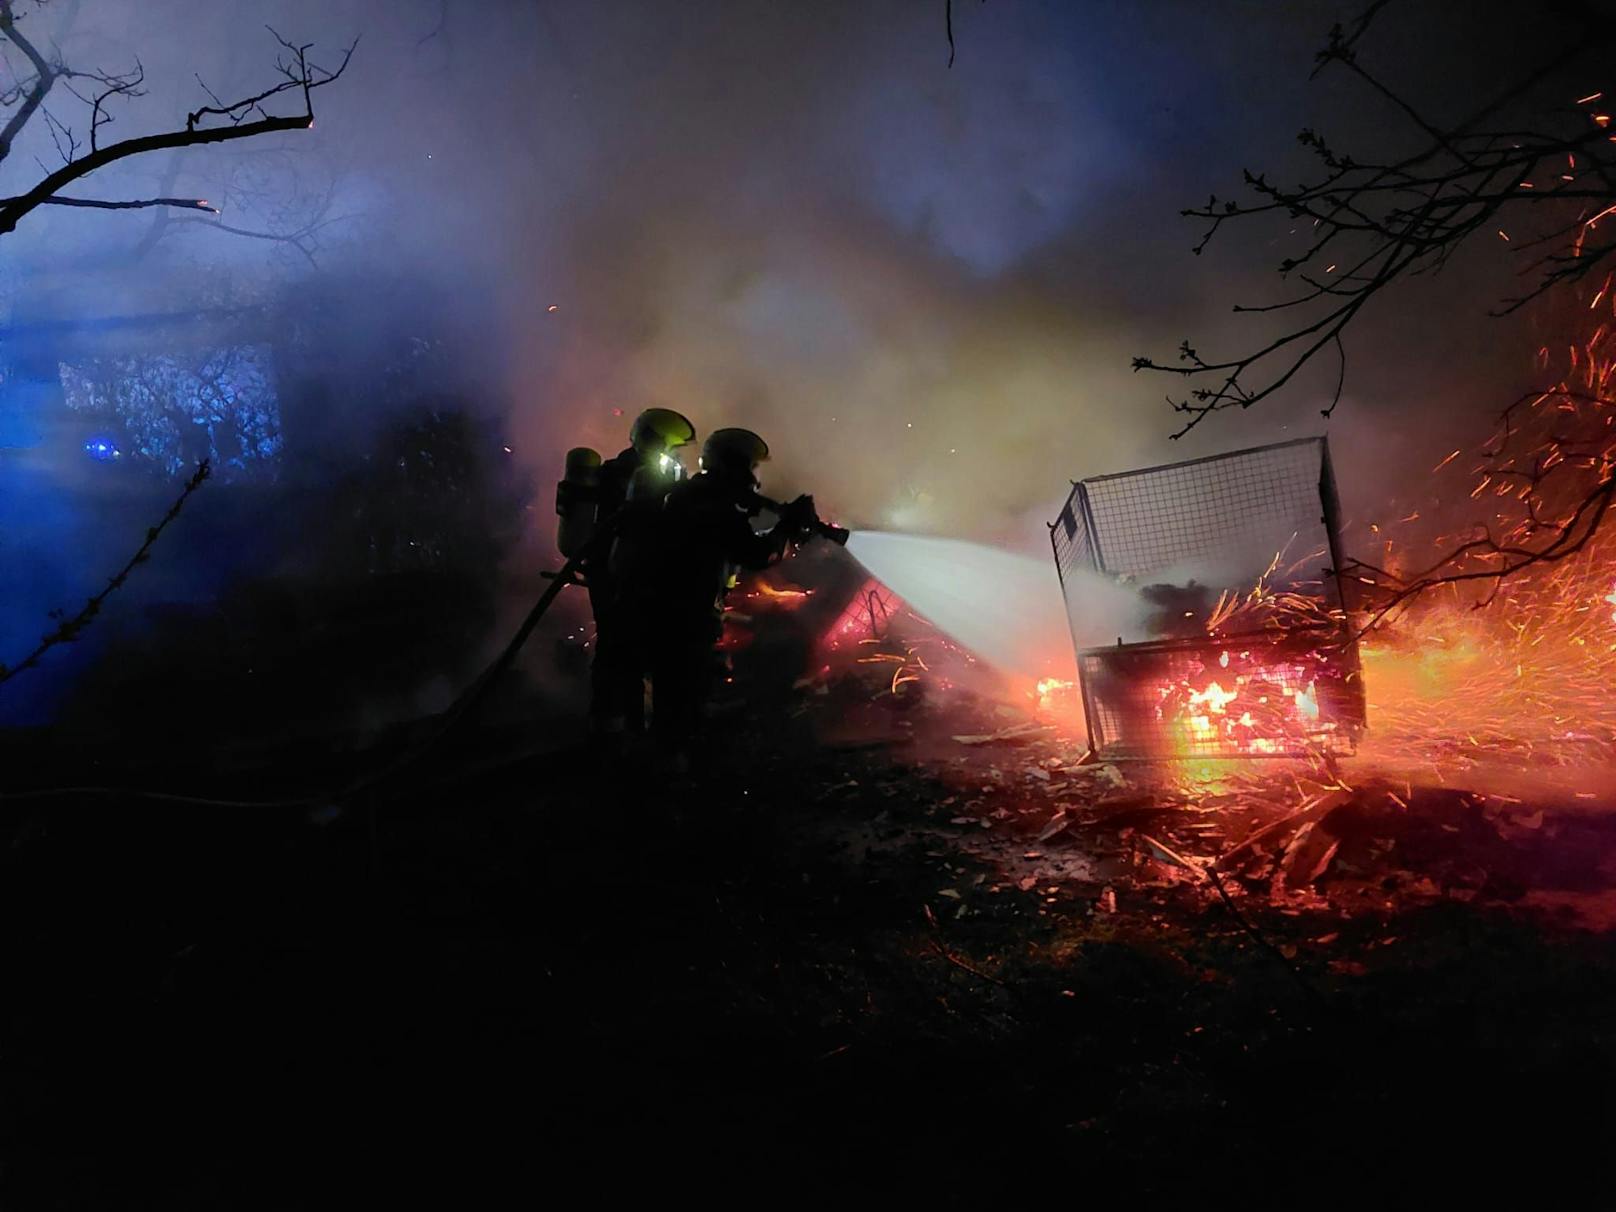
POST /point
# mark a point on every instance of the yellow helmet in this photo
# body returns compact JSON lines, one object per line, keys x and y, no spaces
{"x":734,"y":451}
{"x":659,"y":430}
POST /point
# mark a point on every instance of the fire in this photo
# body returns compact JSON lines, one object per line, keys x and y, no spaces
{"x":1262,"y":697}
{"x":1520,"y":667}
{"x":762,"y":588}
{"x":1214,"y":696}
{"x":878,"y":629}
{"x":1051,"y":686}
{"x":1282,"y":692}
{"x":1054,"y":696}
{"x":1529,"y":676}
{"x":1269,"y":707}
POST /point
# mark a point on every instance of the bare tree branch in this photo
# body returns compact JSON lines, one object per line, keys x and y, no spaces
{"x":300,"y":239}
{"x":948,"y":27}
{"x":70,"y":629}
{"x":245,"y":119}
{"x":123,"y":204}
{"x":1375,"y":223}
{"x":33,"y":95}
{"x":1551,"y":463}
{"x":1543,"y":184}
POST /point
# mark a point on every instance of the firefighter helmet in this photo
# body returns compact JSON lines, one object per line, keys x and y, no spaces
{"x":659,"y":430}
{"x":733,"y":451}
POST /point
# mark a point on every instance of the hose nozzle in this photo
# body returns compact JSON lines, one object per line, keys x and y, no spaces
{"x":836,"y":534}
{"x":801,"y":513}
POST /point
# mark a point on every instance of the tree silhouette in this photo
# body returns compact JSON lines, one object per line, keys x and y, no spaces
{"x":1538,"y":176}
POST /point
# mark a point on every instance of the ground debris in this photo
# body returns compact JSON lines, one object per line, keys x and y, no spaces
{"x":1056,"y":823}
{"x":1014,"y":733}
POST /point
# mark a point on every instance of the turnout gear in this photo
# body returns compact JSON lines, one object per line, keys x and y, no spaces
{"x":629,"y":489}
{"x":676,"y":546}
{"x":709,"y":536}
{"x":705,"y":535}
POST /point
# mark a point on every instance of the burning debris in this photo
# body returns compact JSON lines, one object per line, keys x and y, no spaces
{"x":1260,"y":695}
{"x":1242,"y":672}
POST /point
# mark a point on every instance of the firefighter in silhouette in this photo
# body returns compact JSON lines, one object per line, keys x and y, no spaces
{"x":704,"y":536}
{"x":627,"y":494}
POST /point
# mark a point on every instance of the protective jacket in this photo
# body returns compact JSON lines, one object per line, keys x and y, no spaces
{"x":707,"y":533}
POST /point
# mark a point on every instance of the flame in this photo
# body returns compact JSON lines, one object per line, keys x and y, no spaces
{"x":762,"y":588}
{"x":1054,"y":696}
{"x":1214,"y":696}
{"x":1258,"y":703}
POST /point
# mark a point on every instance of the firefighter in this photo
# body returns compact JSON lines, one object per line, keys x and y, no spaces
{"x":630,"y":488}
{"x":706,"y":535}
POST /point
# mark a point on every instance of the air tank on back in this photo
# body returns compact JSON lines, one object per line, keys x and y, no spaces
{"x":577,"y":500}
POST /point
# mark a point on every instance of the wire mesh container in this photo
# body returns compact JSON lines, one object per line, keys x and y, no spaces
{"x":1221,"y":524}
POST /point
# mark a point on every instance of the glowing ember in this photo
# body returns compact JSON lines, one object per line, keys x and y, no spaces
{"x":1268,"y":708}
{"x":1263,"y":698}
{"x":1528,"y":677}
{"x":1050,"y":691}
{"x":1280,"y":693}
{"x":867,"y":616}
{"x":1519,"y":668}
{"x":1057,"y":697}
{"x":781,"y":596}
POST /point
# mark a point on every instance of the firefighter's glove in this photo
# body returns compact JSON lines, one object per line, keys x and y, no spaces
{"x":799,"y":517}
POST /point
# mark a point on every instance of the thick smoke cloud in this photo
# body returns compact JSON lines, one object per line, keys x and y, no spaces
{"x":922,"y":285}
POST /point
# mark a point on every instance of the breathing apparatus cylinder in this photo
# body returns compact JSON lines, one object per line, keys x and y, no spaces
{"x":577,"y":501}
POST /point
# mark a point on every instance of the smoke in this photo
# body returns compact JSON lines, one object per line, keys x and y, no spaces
{"x":922,"y":285}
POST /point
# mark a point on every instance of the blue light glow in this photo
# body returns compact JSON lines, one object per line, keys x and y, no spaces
{"x":102,"y":450}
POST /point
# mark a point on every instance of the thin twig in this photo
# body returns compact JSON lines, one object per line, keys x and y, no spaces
{"x":963,"y":966}
{"x":70,"y":629}
{"x":1373,"y":224}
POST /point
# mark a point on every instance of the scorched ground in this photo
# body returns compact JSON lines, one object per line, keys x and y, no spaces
{"x":859,"y":946}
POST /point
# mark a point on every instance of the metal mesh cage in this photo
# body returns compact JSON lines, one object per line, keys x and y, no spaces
{"x":1220,"y":521}
{"x":1070,"y":534}
{"x":1228,"y":509}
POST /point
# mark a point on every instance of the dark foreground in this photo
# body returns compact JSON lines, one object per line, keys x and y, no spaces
{"x":794,"y":974}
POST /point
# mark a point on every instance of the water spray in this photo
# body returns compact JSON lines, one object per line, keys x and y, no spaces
{"x":1001,"y":605}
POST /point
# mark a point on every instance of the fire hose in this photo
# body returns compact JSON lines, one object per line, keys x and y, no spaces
{"x":798,"y":515}
{"x":451,"y":716}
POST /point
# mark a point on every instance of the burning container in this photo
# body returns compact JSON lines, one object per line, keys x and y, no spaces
{"x":1239,"y":553}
